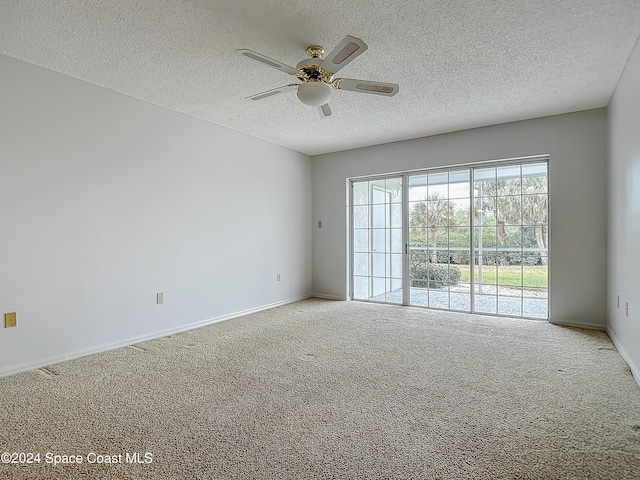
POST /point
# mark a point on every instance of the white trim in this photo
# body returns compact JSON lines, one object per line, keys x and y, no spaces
{"x":350,"y":237}
{"x":328,"y":297}
{"x":52,"y":360}
{"x":635,"y":371}
{"x":543,"y":157}
{"x":588,"y":326}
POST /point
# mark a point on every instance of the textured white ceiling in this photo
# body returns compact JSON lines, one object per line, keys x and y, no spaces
{"x":460,"y":64}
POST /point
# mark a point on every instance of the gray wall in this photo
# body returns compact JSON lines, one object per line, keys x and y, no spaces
{"x":107,"y":200}
{"x":577,"y":146}
{"x":624,"y":214}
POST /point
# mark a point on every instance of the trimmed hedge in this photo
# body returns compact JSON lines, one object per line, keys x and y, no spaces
{"x":433,"y":275}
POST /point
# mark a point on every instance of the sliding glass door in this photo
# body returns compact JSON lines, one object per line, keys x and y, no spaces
{"x":511,"y":256}
{"x":440,"y":239}
{"x":377,"y":240}
{"x":472,"y":239}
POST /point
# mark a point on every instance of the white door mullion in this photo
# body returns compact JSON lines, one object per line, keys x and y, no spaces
{"x":472,"y":238}
{"x":406,"y":281}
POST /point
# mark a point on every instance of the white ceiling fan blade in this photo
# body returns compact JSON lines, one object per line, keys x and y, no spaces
{"x":366,"y":86}
{"x":270,"y":93}
{"x":258,"y":57}
{"x":346,"y":51}
{"x":325,"y":111}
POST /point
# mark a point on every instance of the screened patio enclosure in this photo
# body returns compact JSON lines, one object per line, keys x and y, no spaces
{"x":472,"y":239}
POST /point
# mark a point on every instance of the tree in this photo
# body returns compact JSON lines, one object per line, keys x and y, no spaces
{"x":418,"y":218}
{"x":514,"y":204}
{"x":534,"y":211}
{"x":440,"y":213}
{"x":502,"y":199}
{"x":436,"y":211}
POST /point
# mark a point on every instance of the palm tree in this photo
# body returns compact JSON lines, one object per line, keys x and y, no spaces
{"x":434,"y":212}
{"x":440,"y":213}
{"x":507,"y":204}
{"x":534,"y":211}
{"x":418,"y":218}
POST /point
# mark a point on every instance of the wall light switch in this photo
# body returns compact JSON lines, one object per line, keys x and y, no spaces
{"x":160,"y":298}
{"x":319,"y":223}
{"x":10,"y":319}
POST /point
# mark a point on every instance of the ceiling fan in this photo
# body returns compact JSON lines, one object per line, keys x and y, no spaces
{"x":316,"y":75}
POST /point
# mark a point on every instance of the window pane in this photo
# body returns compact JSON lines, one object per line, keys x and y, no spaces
{"x":510,"y":305}
{"x":378,"y":216}
{"x":361,"y":240}
{"x":509,"y":209}
{"x":396,"y":240}
{"x":378,"y":240}
{"x":534,"y":276}
{"x":509,"y":275}
{"x":394,"y":188}
{"x":438,"y":185}
{"x":379,"y":192}
{"x":378,"y":264}
{"x":459,"y":239}
{"x":509,"y":182}
{"x":396,"y":266}
{"x":379,"y":287}
{"x":361,"y":217}
{"x":438,"y":299}
{"x":361,"y":264}
{"x":460,"y":184}
{"x":396,"y":215}
{"x":361,"y":193}
{"x":485,"y":303}
{"x":361,"y":288}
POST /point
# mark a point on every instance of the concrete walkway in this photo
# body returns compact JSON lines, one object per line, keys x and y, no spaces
{"x":500,"y":301}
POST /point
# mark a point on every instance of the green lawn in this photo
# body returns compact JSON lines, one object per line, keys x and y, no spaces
{"x":527,"y":276}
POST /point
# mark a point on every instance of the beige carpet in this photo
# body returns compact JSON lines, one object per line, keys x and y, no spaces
{"x":322,"y":389}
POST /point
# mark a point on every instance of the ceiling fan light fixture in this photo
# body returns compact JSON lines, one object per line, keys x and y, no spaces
{"x":314,"y":93}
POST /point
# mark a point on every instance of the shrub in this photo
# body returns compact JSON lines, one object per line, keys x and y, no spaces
{"x":524,"y":258}
{"x":433,"y":275}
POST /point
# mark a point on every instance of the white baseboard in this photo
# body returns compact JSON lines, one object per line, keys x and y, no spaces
{"x":328,"y":297}
{"x":52,"y":360}
{"x":635,"y":371}
{"x":588,"y":326}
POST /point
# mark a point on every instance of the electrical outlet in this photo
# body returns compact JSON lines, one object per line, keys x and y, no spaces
{"x":10,"y":319}
{"x":160,"y":298}
{"x":626,"y":309}
{"x":278,"y":277}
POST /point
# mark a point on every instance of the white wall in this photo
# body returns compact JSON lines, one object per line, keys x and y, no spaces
{"x":624,"y":214}
{"x":576,"y":144}
{"x":106,"y":200}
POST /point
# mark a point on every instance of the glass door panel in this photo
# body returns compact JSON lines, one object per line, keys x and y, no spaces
{"x":510,"y":246}
{"x":439,"y":240}
{"x":377,"y":240}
